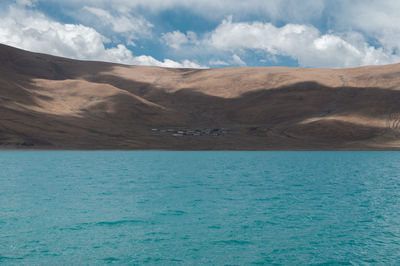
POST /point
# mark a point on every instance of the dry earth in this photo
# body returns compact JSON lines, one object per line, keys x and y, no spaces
{"x":49,"y":102}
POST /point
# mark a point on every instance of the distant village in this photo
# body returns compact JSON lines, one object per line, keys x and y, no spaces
{"x":192,"y":132}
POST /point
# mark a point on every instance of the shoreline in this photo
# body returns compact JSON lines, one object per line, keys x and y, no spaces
{"x":199,"y":150}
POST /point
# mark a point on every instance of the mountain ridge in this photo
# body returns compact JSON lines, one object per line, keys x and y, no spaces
{"x":50,"y":102}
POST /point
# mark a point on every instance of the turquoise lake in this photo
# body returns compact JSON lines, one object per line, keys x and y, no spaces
{"x":199,"y":208}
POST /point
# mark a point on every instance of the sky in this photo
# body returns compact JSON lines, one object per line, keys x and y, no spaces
{"x":208,"y":33}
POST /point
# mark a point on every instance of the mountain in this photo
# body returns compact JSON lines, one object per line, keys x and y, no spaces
{"x":49,"y":102}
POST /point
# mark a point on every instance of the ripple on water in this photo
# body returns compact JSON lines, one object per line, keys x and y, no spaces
{"x":111,"y":260}
{"x":119,"y":222}
{"x":10,"y":259}
{"x":210,"y":208}
{"x":232,"y":242}
{"x":173,"y":213}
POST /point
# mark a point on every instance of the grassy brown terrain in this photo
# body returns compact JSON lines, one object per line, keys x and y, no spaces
{"x":49,"y":102}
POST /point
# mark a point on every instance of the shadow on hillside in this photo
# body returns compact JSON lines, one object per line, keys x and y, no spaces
{"x":270,"y":114}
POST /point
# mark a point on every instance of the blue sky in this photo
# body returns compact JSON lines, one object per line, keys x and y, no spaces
{"x":208,"y":33}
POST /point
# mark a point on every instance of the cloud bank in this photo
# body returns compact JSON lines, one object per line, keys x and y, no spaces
{"x":312,"y":33}
{"x":302,"y":42}
{"x":33,"y":31}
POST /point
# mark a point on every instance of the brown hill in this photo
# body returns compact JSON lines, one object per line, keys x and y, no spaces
{"x":49,"y":102}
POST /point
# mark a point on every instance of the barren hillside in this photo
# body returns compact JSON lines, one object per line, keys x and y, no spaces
{"x":49,"y":102}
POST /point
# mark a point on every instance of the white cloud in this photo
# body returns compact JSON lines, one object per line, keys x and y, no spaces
{"x":28,"y":3}
{"x":150,"y":61}
{"x":301,"y":42}
{"x":176,"y":38}
{"x":299,"y":11}
{"x":237,"y":60}
{"x":355,"y":25}
{"x":376,"y":19}
{"x":33,"y":31}
{"x":234,"y":60}
{"x":218,"y":63}
{"x":122,"y":22}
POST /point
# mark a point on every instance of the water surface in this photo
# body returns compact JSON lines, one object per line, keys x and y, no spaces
{"x":210,"y":208}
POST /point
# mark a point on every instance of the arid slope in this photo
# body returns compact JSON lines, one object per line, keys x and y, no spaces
{"x":49,"y":102}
